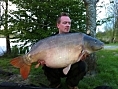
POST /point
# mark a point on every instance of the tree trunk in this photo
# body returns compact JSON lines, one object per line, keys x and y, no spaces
{"x":115,"y":21}
{"x":0,"y":16}
{"x":91,"y":30}
{"x":8,"y":49}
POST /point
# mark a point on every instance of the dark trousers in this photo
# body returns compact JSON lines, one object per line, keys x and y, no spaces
{"x":75,"y":74}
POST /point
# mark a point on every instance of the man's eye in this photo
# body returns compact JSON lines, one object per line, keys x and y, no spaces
{"x":64,"y":22}
{"x":69,"y":22}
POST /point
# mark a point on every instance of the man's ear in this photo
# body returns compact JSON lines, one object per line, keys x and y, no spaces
{"x":57,"y":25}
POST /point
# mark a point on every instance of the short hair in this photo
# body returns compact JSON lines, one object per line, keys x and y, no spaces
{"x":62,"y":14}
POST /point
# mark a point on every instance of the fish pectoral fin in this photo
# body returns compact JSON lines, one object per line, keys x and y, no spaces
{"x":18,"y":62}
{"x":66,"y":69}
{"x":40,"y":62}
{"x":81,"y":56}
{"x":37,"y":65}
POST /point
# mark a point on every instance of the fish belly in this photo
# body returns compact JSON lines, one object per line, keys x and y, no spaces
{"x":60,"y":57}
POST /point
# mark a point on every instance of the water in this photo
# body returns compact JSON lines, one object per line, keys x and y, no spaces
{"x":3,"y":45}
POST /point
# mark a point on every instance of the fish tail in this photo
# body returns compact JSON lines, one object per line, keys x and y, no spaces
{"x":18,"y":62}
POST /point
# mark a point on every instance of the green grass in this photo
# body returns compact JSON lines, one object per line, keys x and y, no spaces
{"x":107,"y":71}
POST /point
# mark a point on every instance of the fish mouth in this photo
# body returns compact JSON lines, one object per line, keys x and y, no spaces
{"x":102,"y":47}
{"x":93,"y":49}
{"x":96,"y":48}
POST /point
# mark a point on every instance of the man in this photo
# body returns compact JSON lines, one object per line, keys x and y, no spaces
{"x":77,"y":70}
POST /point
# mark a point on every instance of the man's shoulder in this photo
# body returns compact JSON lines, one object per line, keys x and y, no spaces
{"x":61,"y":33}
{"x":55,"y":33}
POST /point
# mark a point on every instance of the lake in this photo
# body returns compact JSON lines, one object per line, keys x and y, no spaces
{"x":3,"y":45}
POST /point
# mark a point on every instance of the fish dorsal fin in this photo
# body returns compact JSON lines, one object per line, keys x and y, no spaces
{"x":66,"y":69}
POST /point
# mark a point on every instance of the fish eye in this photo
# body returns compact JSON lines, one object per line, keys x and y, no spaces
{"x":95,"y":41}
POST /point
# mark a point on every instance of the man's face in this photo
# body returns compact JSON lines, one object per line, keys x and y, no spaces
{"x":64,"y":25}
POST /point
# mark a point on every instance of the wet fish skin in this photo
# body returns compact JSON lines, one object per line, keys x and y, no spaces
{"x":57,"y":51}
{"x":92,"y":44}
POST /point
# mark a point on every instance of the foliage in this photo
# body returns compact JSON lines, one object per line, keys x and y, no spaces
{"x":36,"y":19}
{"x":16,"y":50}
{"x":111,"y":21}
{"x":107,"y":36}
{"x":104,"y":20}
{"x":104,"y":36}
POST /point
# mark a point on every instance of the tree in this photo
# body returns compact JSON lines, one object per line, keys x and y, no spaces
{"x":6,"y":29}
{"x":112,"y":24}
{"x":115,"y":21}
{"x":91,"y":30}
{"x":34,"y":21}
{"x":0,"y":15}
{"x":4,"y":23}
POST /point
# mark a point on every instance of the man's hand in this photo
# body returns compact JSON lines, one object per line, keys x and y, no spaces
{"x":40,"y":63}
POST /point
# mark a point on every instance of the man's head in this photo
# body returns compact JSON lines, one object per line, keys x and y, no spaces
{"x":64,"y":23}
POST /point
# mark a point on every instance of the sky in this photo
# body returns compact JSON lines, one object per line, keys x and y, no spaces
{"x":103,"y":14}
{"x":105,"y":4}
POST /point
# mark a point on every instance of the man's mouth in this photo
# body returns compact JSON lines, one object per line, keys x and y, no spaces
{"x":66,"y":28}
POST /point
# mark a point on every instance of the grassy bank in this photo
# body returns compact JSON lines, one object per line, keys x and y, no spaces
{"x":107,"y":71}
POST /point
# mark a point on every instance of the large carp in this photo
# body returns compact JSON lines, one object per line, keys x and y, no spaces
{"x":59,"y":51}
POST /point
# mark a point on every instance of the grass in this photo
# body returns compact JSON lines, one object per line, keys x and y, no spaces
{"x":107,"y":71}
